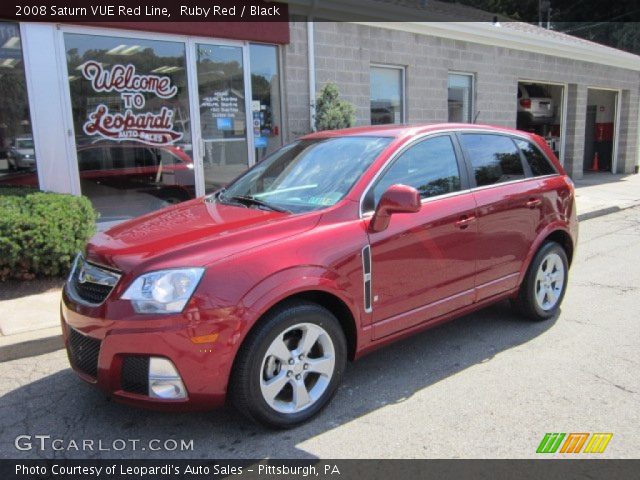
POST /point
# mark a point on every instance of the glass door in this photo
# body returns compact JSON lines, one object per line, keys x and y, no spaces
{"x":159,"y":119}
{"x":265,"y":99}
{"x":129,"y":100}
{"x":221,"y":111}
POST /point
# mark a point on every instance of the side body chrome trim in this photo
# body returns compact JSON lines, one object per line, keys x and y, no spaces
{"x":366,"y":278}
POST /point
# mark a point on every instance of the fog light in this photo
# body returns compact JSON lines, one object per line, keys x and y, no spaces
{"x":164,"y":380}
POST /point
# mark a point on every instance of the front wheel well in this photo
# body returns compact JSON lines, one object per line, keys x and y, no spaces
{"x":332,"y":303}
{"x":564,"y":240}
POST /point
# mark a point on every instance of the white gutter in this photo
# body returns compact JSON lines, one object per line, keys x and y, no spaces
{"x":311,"y":53}
{"x":483,"y":32}
{"x":502,"y":36}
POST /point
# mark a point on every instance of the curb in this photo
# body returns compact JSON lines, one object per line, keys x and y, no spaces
{"x":604,"y":211}
{"x":599,"y":213}
{"x":48,"y":344}
{"x":31,"y":348}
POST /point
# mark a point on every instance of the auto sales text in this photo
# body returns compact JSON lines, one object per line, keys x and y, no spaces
{"x":169,"y":469}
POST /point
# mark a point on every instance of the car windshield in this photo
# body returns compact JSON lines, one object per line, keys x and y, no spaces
{"x":535,"y":91}
{"x":24,"y":143}
{"x":306,"y":175}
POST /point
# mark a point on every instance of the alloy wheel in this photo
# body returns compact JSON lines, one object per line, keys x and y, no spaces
{"x":549,"y":281}
{"x":297,"y":368}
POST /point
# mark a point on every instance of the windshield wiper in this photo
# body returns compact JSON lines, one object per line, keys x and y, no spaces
{"x":249,"y":200}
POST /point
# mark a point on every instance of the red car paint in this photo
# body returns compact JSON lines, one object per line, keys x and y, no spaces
{"x":464,"y":251}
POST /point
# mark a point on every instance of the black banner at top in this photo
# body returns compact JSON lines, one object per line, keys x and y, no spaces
{"x":144,"y":11}
{"x":543,"y":12}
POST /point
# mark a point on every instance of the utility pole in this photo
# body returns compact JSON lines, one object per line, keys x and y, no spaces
{"x":544,"y":6}
{"x":539,"y":13}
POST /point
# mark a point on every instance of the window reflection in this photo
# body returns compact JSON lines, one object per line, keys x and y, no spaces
{"x":222,"y":113}
{"x":265,"y":104}
{"x":131,"y":116}
{"x":387,"y":95}
{"x":17,"y":152}
{"x":494,"y":158}
{"x":460,"y":99}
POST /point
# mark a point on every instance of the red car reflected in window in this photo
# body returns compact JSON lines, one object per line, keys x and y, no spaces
{"x":145,"y":177}
{"x":331,"y":247}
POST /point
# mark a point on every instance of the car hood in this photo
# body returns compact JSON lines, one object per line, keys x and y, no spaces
{"x":194,"y":233}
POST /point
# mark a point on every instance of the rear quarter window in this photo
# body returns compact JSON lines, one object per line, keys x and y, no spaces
{"x":535,"y":91}
{"x":494,"y":158}
{"x":538,"y":163}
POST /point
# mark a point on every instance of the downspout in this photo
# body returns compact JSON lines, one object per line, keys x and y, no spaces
{"x":311,"y":54}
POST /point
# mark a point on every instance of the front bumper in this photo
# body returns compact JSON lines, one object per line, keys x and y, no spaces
{"x":25,"y":162}
{"x":204,"y":366}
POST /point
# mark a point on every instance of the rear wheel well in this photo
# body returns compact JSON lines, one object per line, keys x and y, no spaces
{"x":564,"y":240}
{"x":332,"y":303}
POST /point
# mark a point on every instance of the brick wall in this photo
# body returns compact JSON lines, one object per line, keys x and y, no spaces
{"x":344,"y":52}
{"x":295,"y":70}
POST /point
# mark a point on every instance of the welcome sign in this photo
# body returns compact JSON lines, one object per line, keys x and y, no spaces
{"x":145,"y":127}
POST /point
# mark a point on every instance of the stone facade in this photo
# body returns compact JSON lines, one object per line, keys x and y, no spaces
{"x":345,"y":51}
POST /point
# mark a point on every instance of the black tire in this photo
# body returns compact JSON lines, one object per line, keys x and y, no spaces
{"x":526,"y":302}
{"x":244,"y":388}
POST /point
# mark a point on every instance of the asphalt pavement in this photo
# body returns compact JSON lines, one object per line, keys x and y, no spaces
{"x":488,"y":385}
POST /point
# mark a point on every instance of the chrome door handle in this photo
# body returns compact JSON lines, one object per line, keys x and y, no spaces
{"x":533,"y":203}
{"x":465,"y":221}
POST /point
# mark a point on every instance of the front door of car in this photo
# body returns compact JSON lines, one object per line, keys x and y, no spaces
{"x":423,"y":264}
{"x":508,"y":210}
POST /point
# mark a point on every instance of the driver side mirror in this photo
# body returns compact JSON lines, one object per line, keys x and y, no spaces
{"x":397,"y":199}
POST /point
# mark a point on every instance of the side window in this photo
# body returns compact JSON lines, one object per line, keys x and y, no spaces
{"x":90,"y":159}
{"x":167,"y":157}
{"x":430,"y":167}
{"x":536,"y":159}
{"x":494,"y":158}
{"x":147,"y":157}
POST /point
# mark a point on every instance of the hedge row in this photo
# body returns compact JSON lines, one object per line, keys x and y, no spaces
{"x":40,"y":232}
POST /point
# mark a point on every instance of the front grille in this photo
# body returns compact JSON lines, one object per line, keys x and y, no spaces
{"x":134,"y":376}
{"x":92,"y":292}
{"x":83,"y":352}
{"x":91,"y":283}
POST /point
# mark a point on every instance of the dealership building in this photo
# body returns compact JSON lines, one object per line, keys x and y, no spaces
{"x":139,"y":115}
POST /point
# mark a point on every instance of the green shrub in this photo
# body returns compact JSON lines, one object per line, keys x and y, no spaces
{"x":40,"y":232}
{"x":331,"y":112}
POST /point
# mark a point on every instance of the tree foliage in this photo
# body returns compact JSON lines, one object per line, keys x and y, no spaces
{"x":331,"y":112}
{"x":40,"y":232}
{"x":615,"y":24}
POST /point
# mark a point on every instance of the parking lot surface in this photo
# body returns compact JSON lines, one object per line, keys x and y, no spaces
{"x":489,"y":384}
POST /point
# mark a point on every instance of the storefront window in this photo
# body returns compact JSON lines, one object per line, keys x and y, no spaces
{"x":17,"y":152}
{"x":387,"y":95}
{"x":460,"y":99}
{"x":131,"y":116}
{"x":223,"y":118}
{"x":265,"y":102}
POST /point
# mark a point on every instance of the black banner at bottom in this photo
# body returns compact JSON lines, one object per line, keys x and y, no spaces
{"x":547,"y":469}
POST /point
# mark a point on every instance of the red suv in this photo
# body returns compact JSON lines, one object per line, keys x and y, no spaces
{"x":334,"y":245}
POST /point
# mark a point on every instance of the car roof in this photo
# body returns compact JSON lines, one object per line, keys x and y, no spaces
{"x":408,"y":130}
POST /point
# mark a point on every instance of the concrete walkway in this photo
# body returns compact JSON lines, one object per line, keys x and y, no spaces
{"x":602,"y":193}
{"x":29,"y":319}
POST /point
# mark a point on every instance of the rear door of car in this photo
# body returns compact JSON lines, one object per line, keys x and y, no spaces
{"x":423,"y":264}
{"x":508,"y":200}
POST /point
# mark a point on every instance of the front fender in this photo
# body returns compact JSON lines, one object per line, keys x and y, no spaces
{"x":294,"y":280}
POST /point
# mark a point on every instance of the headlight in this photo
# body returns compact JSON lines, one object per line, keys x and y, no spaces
{"x":164,"y":291}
